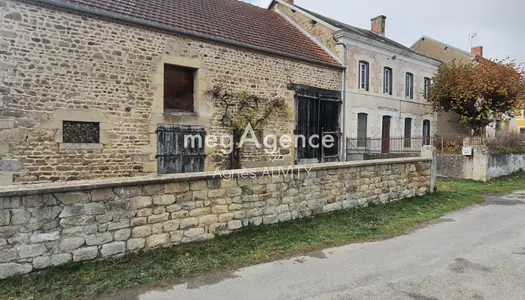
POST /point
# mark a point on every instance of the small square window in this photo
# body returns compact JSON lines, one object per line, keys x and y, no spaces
{"x":178,"y":88}
{"x":81,"y":132}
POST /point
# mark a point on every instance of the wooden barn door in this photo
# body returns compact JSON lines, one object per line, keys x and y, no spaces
{"x":317,"y":113}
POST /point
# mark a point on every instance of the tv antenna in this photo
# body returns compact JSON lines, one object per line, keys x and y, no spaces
{"x":471,"y":37}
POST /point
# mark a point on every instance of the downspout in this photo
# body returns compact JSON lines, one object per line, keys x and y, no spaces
{"x":345,"y":85}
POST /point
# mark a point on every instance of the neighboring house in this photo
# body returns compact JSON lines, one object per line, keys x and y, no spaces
{"x":520,"y":122}
{"x":386,"y":83}
{"x":93,"y":89}
{"x":448,"y":123}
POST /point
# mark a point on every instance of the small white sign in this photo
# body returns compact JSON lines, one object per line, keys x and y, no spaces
{"x":467,"y":150}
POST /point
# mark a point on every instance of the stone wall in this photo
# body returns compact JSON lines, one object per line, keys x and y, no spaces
{"x":502,"y":164}
{"x":454,"y":166}
{"x":58,"y":66}
{"x":44,"y":225}
{"x":483,"y":165}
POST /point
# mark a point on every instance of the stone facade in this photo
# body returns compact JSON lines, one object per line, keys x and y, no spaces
{"x":45,"y":225}
{"x":379,"y":55}
{"x":322,"y":32}
{"x":62,"y":66}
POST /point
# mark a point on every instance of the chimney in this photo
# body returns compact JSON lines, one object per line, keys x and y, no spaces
{"x":289,"y":1}
{"x":378,"y":25}
{"x":477,"y":51}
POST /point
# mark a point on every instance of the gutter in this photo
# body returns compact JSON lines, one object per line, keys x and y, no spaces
{"x":171,"y":29}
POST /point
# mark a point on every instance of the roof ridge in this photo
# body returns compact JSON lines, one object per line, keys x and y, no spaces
{"x":443,"y":44}
{"x":367,"y":32}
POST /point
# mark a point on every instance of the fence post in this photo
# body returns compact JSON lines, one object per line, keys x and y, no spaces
{"x":431,"y":152}
{"x":480,"y":163}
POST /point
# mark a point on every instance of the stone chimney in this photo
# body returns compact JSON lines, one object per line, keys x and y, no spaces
{"x":289,"y":1}
{"x":477,"y":51}
{"x":379,"y":25}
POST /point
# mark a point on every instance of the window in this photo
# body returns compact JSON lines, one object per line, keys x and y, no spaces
{"x":408,"y":132}
{"x":178,"y":88}
{"x":364,"y":70}
{"x":81,"y":132}
{"x":426,"y":92}
{"x":387,"y":81}
{"x":426,"y":132}
{"x":409,"y":86}
{"x":362,"y":128}
{"x":522,"y":130}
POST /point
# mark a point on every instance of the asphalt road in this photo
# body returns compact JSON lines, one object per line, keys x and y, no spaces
{"x":477,"y":253}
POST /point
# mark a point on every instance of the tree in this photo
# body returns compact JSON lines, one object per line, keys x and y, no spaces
{"x":480,"y":92}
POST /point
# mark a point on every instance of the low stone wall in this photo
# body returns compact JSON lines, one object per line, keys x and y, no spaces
{"x":482,"y":165}
{"x":371,"y":156}
{"x":454,"y":166}
{"x":46,"y":225}
{"x":503,"y":164}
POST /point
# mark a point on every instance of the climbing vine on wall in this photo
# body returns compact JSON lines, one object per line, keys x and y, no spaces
{"x":241,"y":109}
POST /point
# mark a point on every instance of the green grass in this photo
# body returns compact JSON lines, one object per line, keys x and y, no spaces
{"x":253,"y":245}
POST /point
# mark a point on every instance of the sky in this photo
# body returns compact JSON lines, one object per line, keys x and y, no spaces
{"x":499,"y":24}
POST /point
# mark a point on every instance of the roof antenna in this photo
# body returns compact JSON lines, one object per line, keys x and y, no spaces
{"x":471,"y":37}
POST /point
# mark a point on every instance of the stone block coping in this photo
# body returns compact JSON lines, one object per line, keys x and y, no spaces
{"x":81,"y":185}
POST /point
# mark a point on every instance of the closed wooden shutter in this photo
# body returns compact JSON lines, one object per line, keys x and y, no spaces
{"x":362,"y":126}
{"x":176,"y":156}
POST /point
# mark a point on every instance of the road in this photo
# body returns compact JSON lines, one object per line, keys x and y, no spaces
{"x":477,"y":253}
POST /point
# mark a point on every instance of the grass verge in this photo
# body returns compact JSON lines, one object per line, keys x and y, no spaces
{"x":253,"y":245}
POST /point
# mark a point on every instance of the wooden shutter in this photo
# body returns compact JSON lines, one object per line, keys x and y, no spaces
{"x":408,"y":132}
{"x":361,"y":129}
{"x":172,"y":154}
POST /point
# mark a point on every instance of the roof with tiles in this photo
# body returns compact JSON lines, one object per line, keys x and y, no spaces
{"x":356,"y":30}
{"x":232,"y":20}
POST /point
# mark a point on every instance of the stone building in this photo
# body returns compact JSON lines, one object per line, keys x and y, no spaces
{"x":386,"y":82}
{"x":87,"y":87}
{"x":448,"y":123}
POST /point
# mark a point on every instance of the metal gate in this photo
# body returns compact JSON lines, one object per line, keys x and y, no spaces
{"x":180,"y":149}
{"x":317,"y":113}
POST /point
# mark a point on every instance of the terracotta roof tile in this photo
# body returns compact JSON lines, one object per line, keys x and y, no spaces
{"x":230,"y":19}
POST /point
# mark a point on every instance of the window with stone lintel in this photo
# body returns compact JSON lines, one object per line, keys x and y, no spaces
{"x":179,"y":87}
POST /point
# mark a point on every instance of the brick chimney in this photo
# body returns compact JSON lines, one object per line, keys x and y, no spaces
{"x":289,"y":1}
{"x":477,"y":51}
{"x":379,"y":25}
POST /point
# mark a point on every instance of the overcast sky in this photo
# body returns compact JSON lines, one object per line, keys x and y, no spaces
{"x":500,"y":24}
